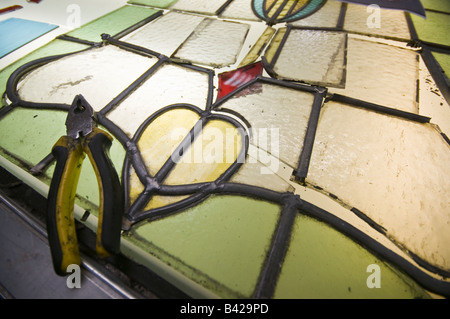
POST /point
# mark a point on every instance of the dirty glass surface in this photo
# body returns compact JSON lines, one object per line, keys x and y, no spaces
{"x":332,"y":159}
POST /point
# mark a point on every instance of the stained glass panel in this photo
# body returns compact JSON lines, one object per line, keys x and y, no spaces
{"x":255,"y":184}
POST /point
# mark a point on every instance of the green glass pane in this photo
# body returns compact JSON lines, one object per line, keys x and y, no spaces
{"x":30,"y":134}
{"x":55,"y":47}
{"x":444,"y":61}
{"x":154,"y":3}
{"x":323,"y":263}
{"x":439,"y":5}
{"x":112,"y":23}
{"x":220,"y":243}
{"x":435,"y":28}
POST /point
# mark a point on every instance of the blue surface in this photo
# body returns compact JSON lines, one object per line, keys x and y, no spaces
{"x":15,"y":33}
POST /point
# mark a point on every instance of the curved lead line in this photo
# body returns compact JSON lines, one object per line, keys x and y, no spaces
{"x":11,"y":92}
{"x":430,"y":283}
{"x":427,"y":281}
{"x":262,"y":10}
{"x":311,"y":7}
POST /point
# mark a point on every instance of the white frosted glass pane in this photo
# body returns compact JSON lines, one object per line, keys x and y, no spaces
{"x":389,"y":23}
{"x":168,"y":85}
{"x":276,"y":110}
{"x":239,"y":9}
{"x":202,"y":6}
{"x":313,"y":56}
{"x":165,"y":34}
{"x":381,"y":74}
{"x":214,"y":42}
{"x":395,"y":171}
{"x":99,"y":75}
{"x":327,"y":16}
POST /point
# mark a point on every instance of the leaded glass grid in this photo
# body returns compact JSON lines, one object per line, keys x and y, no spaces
{"x":328,"y":122}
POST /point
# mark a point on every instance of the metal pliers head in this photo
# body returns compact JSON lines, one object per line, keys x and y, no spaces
{"x":83,"y":137}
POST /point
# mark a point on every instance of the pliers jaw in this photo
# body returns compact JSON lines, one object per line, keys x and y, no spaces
{"x":80,"y":119}
{"x":83,"y":137}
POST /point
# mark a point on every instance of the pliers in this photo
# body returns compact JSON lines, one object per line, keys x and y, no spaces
{"x":82,"y":137}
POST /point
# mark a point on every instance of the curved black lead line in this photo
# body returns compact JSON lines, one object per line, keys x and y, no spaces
{"x":428,"y":282}
{"x":11,"y":85}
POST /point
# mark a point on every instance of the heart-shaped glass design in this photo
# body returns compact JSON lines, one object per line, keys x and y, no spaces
{"x":181,"y":150}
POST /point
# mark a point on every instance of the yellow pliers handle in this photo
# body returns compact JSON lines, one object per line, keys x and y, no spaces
{"x":70,"y":153}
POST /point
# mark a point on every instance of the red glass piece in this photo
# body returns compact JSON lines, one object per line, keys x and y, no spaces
{"x":10,"y":9}
{"x":232,"y":80}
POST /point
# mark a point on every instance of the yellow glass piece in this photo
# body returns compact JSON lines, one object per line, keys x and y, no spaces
{"x":274,"y":9}
{"x":254,"y":52}
{"x":215,"y":149}
{"x":269,"y":4}
{"x":163,"y":135}
{"x":212,"y":153}
{"x":274,"y":44}
{"x":135,"y":185}
{"x":291,"y":4}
